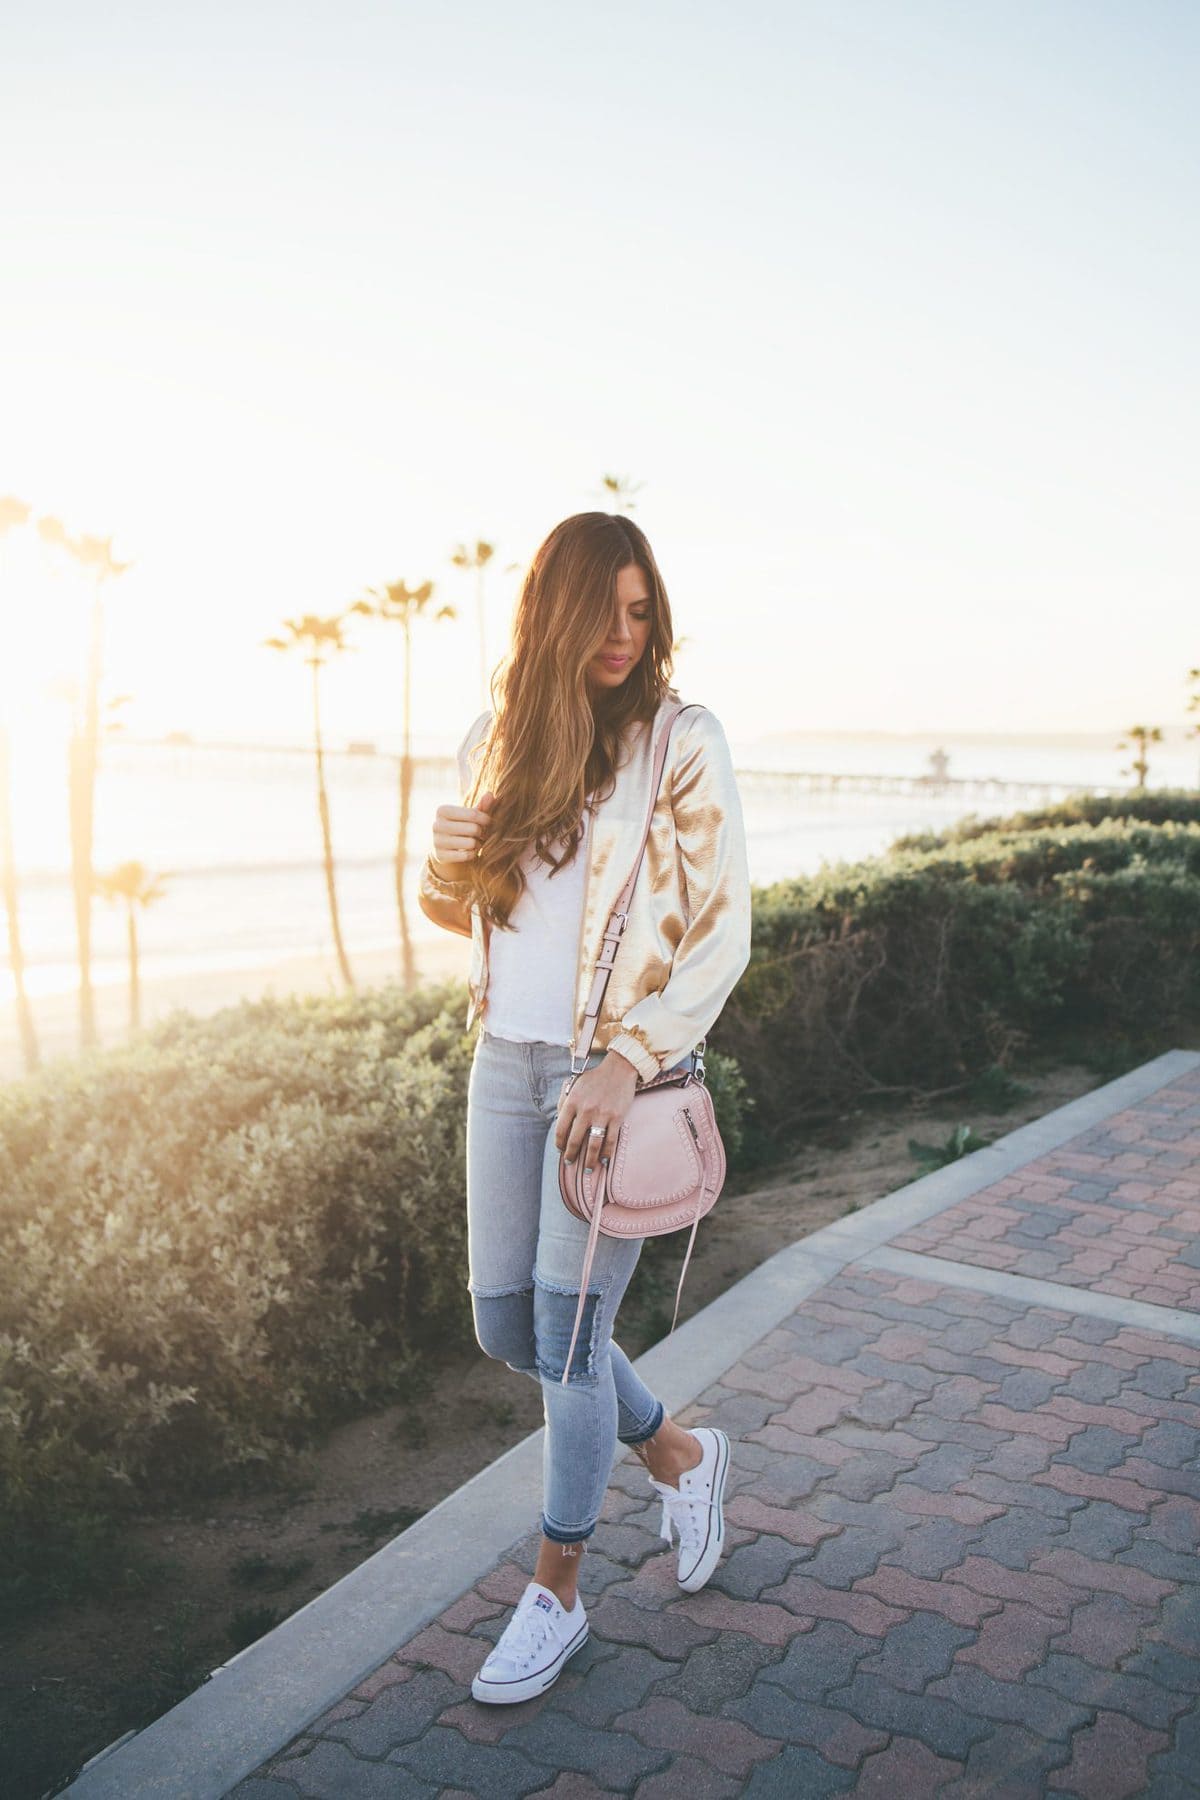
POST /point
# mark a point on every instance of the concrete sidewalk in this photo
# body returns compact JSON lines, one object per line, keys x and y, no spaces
{"x":963,"y":1510}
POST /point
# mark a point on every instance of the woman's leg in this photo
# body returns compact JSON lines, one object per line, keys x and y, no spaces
{"x":604,"y":1399}
{"x":506,"y":1136}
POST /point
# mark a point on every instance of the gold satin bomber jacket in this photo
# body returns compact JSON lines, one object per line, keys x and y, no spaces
{"x":687,"y":937}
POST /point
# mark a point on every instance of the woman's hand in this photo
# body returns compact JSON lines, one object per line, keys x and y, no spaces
{"x":599,"y":1096}
{"x":457,"y":834}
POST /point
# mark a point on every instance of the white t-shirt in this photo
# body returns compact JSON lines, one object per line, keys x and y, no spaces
{"x":532,"y":970}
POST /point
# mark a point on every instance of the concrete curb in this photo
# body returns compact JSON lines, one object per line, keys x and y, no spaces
{"x":256,"y":1703}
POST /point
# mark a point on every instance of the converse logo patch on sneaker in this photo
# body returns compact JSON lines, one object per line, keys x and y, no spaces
{"x":545,"y":1602}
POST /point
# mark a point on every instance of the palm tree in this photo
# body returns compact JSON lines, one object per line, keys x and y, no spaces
{"x":14,"y":513}
{"x":478,"y":559}
{"x":132,"y":883}
{"x":83,"y":755}
{"x":1138,"y":738}
{"x":318,"y":640}
{"x":1193,"y":704}
{"x":399,"y":604}
{"x":619,"y":491}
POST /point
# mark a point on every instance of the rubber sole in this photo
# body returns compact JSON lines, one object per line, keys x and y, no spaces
{"x":507,"y":1693}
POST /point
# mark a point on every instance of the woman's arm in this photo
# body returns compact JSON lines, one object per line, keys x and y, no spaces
{"x":715,"y":947}
{"x":446,"y":901}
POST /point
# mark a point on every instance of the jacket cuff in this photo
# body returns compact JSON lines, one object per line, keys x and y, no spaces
{"x":440,"y":884}
{"x":626,"y":1045}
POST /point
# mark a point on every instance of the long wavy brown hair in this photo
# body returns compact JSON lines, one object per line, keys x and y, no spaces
{"x":554,"y":739}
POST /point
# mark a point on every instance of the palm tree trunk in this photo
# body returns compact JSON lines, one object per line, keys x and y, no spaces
{"x":81,"y":881}
{"x":327,"y":834}
{"x":84,"y":757}
{"x":407,"y":963}
{"x":8,"y":880}
{"x":135,"y":986}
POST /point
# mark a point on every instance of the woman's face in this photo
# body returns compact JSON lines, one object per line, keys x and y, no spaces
{"x":630,"y":632}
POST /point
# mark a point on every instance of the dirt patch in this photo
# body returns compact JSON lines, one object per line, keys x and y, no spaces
{"x":75,"y":1679}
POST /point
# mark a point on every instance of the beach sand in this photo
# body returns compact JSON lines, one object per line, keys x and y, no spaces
{"x":56,"y":1016}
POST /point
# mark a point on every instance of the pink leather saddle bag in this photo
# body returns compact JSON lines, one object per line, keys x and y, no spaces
{"x":667,"y":1166}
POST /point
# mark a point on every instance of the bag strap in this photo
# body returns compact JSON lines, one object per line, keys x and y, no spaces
{"x":618,"y":918}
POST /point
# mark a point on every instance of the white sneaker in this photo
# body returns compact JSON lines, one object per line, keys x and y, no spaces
{"x":532,"y":1648}
{"x":696,"y":1508}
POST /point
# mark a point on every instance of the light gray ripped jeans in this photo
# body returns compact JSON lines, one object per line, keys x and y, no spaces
{"x":526,"y":1253}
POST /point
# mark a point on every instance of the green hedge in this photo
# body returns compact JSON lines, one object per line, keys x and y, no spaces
{"x":919,"y":969}
{"x":216,"y":1239}
{"x":1153,"y":806}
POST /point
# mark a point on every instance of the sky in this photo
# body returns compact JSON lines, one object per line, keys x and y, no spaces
{"x":890,"y":307}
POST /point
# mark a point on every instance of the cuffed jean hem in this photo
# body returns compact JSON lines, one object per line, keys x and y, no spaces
{"x":558,"y":1536}
{"x":660,"y":1414}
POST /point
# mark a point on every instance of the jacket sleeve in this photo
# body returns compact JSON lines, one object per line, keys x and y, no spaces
{"x":709,"y":959}
{"x":446,"y":902}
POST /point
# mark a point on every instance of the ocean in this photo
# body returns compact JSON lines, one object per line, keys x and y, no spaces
{"x":234,"y":834}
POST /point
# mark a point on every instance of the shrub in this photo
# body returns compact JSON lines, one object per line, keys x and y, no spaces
{"x":217,"y":1238}
{"x":917,"y":970}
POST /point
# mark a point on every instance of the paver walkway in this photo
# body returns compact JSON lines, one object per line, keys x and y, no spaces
{"x":962,"y":1536}
{"x":963,"y":1513}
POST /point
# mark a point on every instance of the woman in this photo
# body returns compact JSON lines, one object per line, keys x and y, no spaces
{"x":555,"y":785}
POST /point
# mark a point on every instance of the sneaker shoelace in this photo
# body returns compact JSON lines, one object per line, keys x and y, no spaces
{"x":525,"y":1634}
{"x":687,"y":1512}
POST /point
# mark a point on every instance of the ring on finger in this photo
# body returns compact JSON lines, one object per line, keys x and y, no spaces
{"x":597,"y":1130}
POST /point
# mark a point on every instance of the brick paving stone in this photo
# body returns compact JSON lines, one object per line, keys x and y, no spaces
{"x":1109,"y":1759}
{"x":944,"y":1728}
{"x":932,"y":1547}
{"x":727,"y":1743}
{"x":797,"y":1525}
{"x":716,"y":1673}
{"x":444,"y":1758}
{"x":330,"y":1770}
{"x":1052,"y":1716}
{"x":1084,"y":1572}
{"x":570,"y":1785}
{"x":611,"y":1756}
{"x":905,"y":1767}
{"x":1103,"y":1630}
{"x":1049,"y":1499}
{"x":1079,"y":1483}
{"x":1097,"y":1529}
{"x":686,"y":1775}
{"x":625,"y":1681}
{"x":401,"y":1712}
{"x":907,"y":1497}
{"x":1180,"y":1623}
{"x":1175,"y":1772}
{"x":1010,"y":1642}
{"x":1044,"y":1592}
{"x":450,"y":1651}
{"x":1141,"y":1699}
{"x":764,"y":1562}
{"x":619,"y":1620}
{"x":1008,"y":1764}
{"x":918,"y":1650}
{"x":959,"y":1604}
{"x":834,"y":1734}
{"x":863,"y":1612}
{"x":795,"y":1772}
{"x":824,"y":1659}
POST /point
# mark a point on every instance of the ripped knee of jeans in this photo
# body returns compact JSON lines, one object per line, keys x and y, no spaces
{"x":554,"y":1309}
